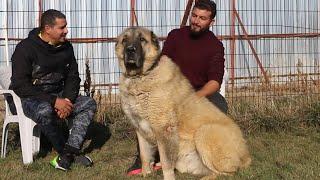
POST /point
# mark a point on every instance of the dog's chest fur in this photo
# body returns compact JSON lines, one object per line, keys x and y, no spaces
{"x":135,"y":103}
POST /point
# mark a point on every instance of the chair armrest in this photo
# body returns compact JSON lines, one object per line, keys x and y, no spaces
{"x":16,"y":100}
{"x":6,"y":91}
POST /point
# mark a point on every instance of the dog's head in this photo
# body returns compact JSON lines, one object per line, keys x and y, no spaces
{"x":137,"y":50}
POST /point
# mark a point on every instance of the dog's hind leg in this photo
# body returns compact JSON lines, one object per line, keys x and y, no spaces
{"x":146,"y":154}
{"x":217,"y":146}
{"x":189,"y":160}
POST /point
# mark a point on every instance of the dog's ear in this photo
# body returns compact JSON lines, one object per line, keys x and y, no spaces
{"x":117,"y":41}
{"x":116,"y":44}
{"x":155,"y":40}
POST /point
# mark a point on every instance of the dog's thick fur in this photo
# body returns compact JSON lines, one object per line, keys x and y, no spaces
{"x":191,"y":134}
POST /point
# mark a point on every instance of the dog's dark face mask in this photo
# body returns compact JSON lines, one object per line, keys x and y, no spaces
{"x":138,"y":50}
{"x":133,"y":54}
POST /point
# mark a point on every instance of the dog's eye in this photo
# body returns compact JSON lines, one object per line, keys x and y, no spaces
{"x":143,"y":39}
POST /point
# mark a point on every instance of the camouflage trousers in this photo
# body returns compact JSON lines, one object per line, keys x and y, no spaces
{"x":46,"y":118}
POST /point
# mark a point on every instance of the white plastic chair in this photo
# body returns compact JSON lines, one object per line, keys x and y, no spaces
{"x":29,"y":132}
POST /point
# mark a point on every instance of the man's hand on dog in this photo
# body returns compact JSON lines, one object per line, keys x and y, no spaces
{"x":63,"y":107}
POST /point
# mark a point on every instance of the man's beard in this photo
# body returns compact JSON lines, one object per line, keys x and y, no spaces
{"x":196,"y":34}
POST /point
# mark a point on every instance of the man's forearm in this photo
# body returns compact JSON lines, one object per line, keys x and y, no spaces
{"x":209,"y":88}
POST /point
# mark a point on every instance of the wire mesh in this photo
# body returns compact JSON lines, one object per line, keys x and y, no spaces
{"x":271,"y":47}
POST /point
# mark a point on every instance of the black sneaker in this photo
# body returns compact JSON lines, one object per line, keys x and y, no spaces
{"x":83,"y":160}
{"x":62,"y":162}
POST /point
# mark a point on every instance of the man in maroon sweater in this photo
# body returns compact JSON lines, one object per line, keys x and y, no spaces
{"x":200,"y":56}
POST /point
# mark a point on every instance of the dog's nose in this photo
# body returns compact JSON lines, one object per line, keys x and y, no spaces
{"x":131,"y":49}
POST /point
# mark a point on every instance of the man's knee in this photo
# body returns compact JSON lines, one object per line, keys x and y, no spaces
{"x":218,"y":100}
{"x":45,"y":109}
{"x":86,"y":103}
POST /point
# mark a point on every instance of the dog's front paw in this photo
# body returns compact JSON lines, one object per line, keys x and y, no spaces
{"x":146,"y":169}
{"x":168,"y":175}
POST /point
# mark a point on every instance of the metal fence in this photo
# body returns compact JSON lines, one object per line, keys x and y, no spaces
{"x":271,"y":46}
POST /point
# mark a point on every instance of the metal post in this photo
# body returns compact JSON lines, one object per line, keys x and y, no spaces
{"x":186,"y":13}
{"x":132,"y":14}
{"x":233,"y":40}
{"x":252,"y":48}
{"x":40,"y":11}
{"x":6,"y":32}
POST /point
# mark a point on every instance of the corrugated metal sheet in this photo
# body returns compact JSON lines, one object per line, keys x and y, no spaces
{"x":107,"y":18}
{"x":278,"y":56}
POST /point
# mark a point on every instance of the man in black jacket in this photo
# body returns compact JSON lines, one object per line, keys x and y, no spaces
{"x":45,"y":76}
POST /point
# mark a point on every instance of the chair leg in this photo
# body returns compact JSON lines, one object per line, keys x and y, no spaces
{"x":36,"y":140}
{"x":26,"y":134}
{"x":4,"y":139}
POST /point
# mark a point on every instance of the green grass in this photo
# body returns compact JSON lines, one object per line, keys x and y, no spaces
{"x":279,"y":155}
{"x":283,"y":138}
{"x":277,"y":114}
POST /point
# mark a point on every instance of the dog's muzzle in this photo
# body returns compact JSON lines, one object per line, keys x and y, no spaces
{"x":133,"y":57}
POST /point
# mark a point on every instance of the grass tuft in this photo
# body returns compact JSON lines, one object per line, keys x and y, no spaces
{"x":276,"y":115}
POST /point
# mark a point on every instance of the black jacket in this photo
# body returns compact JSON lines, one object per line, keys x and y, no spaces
{"x":41,"y":71}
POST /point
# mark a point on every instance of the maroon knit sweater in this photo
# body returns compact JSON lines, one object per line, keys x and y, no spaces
{"x":200,"y":58}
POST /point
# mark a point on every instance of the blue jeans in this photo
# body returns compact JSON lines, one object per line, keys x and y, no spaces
{"x":45,"y":116}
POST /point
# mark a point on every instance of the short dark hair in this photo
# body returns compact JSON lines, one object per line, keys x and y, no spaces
{"x":49,"y":18}
{"x":207,"y":5}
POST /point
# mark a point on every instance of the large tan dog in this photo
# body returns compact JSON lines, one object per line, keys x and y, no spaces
{"x":191,"y":134}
